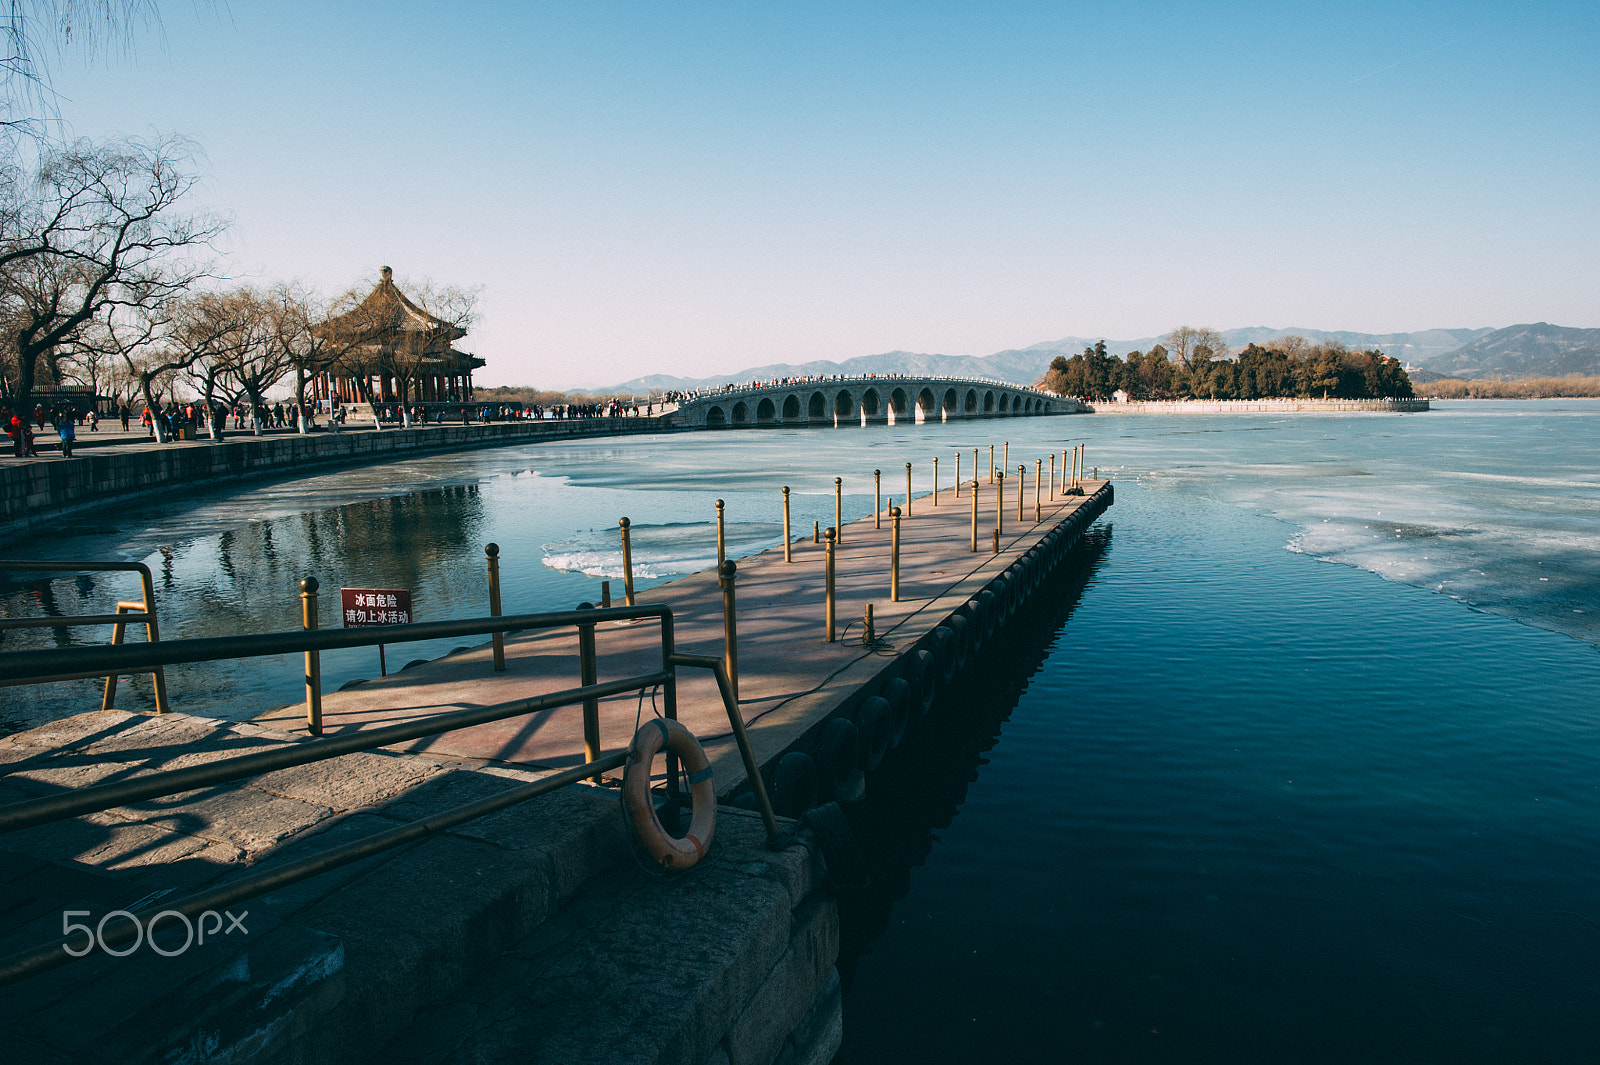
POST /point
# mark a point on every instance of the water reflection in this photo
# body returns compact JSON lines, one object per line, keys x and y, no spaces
{"x":922,"y":785}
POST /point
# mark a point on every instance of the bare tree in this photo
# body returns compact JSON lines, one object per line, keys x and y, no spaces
{"x":98,"y":232}
{"x":32,"y":32}
{"x":1193,"y":345}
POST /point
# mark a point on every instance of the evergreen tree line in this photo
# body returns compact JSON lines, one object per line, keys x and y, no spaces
{"x":1289,"y":367}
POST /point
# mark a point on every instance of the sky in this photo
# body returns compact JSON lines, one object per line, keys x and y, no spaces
{"x":693,"y":188}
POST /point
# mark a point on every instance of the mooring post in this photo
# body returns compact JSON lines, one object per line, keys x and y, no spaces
{"x":838,"y":509}
{"x":605,"y":593}
{"x":868,"y":637}
{"x":627,"y":560}
{"x":958,"y":475}
{"x":974,"y":512}
{"x":877,"y":499}
{"x":894,"y":556}
{"x":991,"y":464}
{"x":908,"y":489}
{"x":1000,"y":502}
{"x":788,"y":540}
{"x":730,"y":625}
{"x":492,"y":551}
{"x":1064,"y":485}
{"x":1097,"y":473}
{"x":722,"y":549}
{"x":828,"y":585}
{"x":816,"y":532}
{"x":1052,"y":476}
{"x":1038,"y":479}
{"x":1006,"y":463}
{"x":1022,"y":490}
{"x":308,"y":620}
{"x":936,"y":480}
{"x":996,"y":541}
{"x":589,"y":673}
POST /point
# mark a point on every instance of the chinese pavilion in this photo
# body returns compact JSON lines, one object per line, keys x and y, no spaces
{"x":399,"y":351}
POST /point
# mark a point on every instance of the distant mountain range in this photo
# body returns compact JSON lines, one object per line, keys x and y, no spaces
{"x":1537,"y":350}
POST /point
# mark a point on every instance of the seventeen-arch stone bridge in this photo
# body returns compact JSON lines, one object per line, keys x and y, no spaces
{"x":871,"y":400}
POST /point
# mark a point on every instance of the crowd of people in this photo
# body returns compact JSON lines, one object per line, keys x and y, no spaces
{"x":187,"y":420}
{"x":64,"y":421}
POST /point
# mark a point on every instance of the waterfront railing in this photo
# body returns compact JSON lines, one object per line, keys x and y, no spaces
{"x":39,"y":666}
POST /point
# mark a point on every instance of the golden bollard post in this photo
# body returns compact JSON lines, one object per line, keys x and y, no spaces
{"x":991,"y":464}
{"x":936,"y":480}
{"x":908,"y":489}
{"x":894,"y":556}
{"x":827,"y":571}
{"x":726,"y":573}
{"x":308,"y":621}
{"x":589,"y":673}
{"x":1022,"y":490}
{"x":1052,"y":476}
{"x":958,"y":475}
{"x":722,"y":550}
{"x":838,"y":509}
{"x":1006,"y":462}
{"x":974,"y":513}
{"x":1064,"y":484}
{"x":868,"y":637}
{"x":1038,"y":479}
{"x":996,"y":541}
{"x":627,"y":561}
{"x":499,"y":638}
{"x":1000,"y":502}
{"x":788,"y":540}
{"x":974,"y":464}
{"x":816,"y":532}
{"x":877,"y":499}
{"x":1097,"y":473}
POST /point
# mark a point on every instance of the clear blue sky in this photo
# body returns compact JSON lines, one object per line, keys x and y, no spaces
{"x":693,"y":188}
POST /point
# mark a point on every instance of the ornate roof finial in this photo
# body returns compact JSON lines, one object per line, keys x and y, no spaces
{"x":385,"y":274}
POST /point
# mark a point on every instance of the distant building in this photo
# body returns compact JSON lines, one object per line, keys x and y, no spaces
{"x":397,"y":350}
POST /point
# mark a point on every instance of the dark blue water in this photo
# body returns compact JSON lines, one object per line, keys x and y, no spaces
{"x":1246,"y":806}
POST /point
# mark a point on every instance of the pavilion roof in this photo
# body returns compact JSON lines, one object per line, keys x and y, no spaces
{"x":387,"y":311}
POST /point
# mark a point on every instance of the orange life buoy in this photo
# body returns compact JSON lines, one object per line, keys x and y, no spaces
{"x":668,"y":852}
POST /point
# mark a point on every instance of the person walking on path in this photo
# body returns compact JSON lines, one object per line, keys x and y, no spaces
{"x":125,"y":416}
{"x":69,"y":436}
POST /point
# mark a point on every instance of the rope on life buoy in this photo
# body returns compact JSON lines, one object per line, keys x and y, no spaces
{"x":667,"y":852}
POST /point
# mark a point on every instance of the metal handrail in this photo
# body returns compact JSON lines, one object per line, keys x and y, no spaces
{"x":127,"y":613}
{"x":31,"y":666}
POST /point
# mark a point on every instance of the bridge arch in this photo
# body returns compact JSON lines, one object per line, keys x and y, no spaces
{"x":972,"y":401}
{"x":766,"y":411}
{"x":988,"y":402}
{"x":951,"y":403}
{"x":791,"y":407}
{"x":870,"y":403}
{"x":716,"y":416}
{"x":897,"y":401}
{"x":818,"y":406}
{"x":844,"y":404}
{"x":741,"y":413}
{"x":925,"y":403}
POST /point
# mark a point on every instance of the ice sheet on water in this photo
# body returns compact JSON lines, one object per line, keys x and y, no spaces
{"x":666,"y":550}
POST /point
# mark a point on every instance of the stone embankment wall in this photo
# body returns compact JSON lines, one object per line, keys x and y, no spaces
{"x":1236,"y":406}
{"x":35,"y":495}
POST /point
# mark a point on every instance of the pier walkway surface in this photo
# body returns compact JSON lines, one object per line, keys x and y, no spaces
{"x":789,"y":679}
{"x":528,"y":934}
